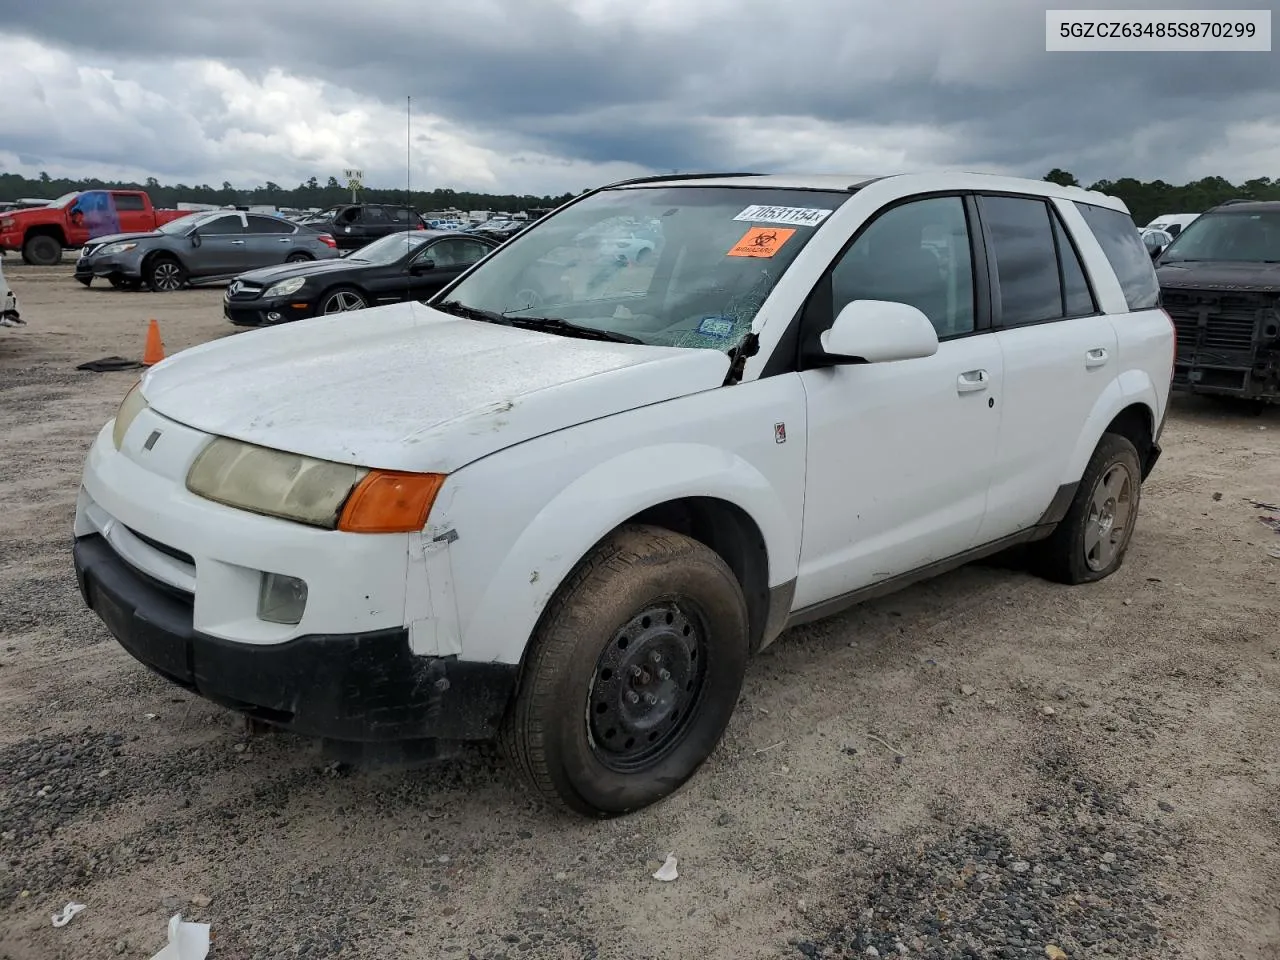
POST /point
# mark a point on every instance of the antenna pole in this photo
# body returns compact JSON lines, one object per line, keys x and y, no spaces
{"x":408,"y":184}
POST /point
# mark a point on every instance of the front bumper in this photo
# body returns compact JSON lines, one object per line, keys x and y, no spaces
{"x":120,"y":266}
{"x":354,"y":687}
{"x":261,"y":312}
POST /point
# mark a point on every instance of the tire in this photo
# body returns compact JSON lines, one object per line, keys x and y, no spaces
{"x":642,"y":256}
{"x":1110,"y":488}
{"x":298,"y":258}
{"x":644,"y":592}
{"x":42,"y":250}
{"x":165,"y":274}
{"x":342,"y":300}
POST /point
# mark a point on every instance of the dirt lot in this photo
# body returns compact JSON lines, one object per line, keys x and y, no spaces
{"x":982,"y":766}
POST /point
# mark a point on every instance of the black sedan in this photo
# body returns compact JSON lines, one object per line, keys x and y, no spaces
{"x":404,"y":266}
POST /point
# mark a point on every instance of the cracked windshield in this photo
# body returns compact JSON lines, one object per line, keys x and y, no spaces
{"x":665,"y":266}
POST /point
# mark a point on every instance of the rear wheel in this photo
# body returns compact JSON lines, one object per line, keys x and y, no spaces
{"x":342,"y":300}
{"x":165,"y":274}
{"x":42,"y":251}
{"x":632,"y":674}
{"x":298,"y":258}
{"x":1091,"y":541}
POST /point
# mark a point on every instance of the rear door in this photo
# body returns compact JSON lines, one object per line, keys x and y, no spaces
{"x":270,"y":241}
{"x":1060,"y":355}
{"x":133,"y":212}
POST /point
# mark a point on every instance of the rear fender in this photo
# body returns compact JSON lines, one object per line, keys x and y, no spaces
{"x":1132,"y":386}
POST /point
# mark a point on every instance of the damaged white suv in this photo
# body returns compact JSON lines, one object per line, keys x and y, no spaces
{"x":565,"y":501}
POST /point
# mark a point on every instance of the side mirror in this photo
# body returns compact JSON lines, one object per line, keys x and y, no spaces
{"x":1156,"y":251}
{"x":879,"y":331}
{"x":422,"y":266}
{"x":195,"y":238}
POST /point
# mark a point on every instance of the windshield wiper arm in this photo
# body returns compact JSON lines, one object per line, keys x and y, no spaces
{"x":559,"y":325}
{"x":460,"y":309}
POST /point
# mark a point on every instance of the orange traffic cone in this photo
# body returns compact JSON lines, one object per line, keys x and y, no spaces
{"x":154,"y":351}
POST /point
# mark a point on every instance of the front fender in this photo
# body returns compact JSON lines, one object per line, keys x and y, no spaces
{"x":1131,"y":387}
{"x":582,"y":513}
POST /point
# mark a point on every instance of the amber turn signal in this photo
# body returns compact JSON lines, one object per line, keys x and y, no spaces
{"x":387,"y":502}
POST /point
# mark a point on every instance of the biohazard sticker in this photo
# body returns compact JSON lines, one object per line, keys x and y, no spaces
{"x":761,"y":242}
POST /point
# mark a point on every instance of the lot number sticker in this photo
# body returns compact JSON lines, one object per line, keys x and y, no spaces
{"x":800,"y":216}
{"x":761,"y":242}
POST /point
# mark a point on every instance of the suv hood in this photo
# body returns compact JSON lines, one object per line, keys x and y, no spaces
{"x":405,"y":387}
{"x":1224,"y":275}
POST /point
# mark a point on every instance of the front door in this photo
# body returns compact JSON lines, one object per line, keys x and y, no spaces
{"x":447,"y":258}
{"x":222,"y":250}
{"x":900,"y":454}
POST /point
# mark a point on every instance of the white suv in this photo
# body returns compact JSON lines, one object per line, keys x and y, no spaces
{"x":564,"y":508}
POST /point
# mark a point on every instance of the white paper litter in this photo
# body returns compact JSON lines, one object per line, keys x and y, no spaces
{"x":187,"y":941}
{"x":69,"y":911}
{"x":667,"y":872}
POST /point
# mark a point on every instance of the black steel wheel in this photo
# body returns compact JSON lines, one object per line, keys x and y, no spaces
{"x":632,"y":675}
{"x":647,"y":683}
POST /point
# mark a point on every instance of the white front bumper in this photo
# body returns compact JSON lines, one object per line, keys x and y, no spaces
{"x":136,"y":498}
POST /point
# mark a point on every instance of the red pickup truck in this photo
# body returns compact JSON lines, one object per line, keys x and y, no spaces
{"x":42,"y":233}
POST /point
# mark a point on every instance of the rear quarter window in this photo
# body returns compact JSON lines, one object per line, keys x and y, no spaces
{"x":1122,"y":244}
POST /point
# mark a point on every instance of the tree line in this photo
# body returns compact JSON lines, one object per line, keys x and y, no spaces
{"x":1146,"y":200}
{"x":311,"y":193}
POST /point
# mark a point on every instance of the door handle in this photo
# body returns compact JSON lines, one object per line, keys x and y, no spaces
{"x":972,"y":381}
{"x":285,"y":240}
{"x":237,"y":243}
{"x":1095,"y":357}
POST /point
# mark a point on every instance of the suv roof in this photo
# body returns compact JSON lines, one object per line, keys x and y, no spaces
{"x":952,"y":179}
{"x":1248,"y":206}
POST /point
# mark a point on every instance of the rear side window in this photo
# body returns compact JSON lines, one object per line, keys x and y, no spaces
{"x":1126,"y":253}
{"x":129,"y":201}
{"x":270,"y":225}
{"x":1026,"y":259}
{"x":1077,"y":298}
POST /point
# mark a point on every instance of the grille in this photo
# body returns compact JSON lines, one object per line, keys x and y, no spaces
{"x":1230,"y":320}
{"x":239,"y":290}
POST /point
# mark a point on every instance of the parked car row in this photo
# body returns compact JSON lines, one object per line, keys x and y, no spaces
{"x":200,"y":247}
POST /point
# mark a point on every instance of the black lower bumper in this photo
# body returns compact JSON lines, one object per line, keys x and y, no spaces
{"x":264,"y":313}
{"x":356,"y":687}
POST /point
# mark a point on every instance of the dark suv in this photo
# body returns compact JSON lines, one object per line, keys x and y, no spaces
{"x":355,"y":224}
{"x":1220,"y":282}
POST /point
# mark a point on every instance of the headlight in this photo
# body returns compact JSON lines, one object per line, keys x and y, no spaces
{"x":132,"y":405}
{"x":272,"y":482}
{"x":113,"y":248}
{"x":285,"y":287}
{"x":335,"y":496}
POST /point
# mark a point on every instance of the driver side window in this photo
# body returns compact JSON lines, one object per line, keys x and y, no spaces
{"x":916,"y":253}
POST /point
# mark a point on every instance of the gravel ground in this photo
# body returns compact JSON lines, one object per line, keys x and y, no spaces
{"x":985,"y":765}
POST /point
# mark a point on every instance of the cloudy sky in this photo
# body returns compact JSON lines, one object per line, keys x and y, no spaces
{"x":547,"y":96}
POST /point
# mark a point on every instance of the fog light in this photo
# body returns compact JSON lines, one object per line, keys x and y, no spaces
{"x":281,"y":599}
{"x":273,"y":316}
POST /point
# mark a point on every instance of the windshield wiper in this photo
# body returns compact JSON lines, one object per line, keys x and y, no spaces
{"x":559,"y":325}
{"x":460,"y":309}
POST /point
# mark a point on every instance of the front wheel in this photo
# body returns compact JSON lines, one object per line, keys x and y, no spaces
{"x":342,"y":300}
{"x":165,"y":274}
{"x":633,"y":674}
{"x":1091,"y":541}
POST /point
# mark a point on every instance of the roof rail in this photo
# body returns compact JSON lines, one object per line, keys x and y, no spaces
{"x":1227,"y":203}
{"x":659,"y":178}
